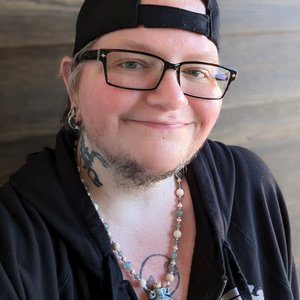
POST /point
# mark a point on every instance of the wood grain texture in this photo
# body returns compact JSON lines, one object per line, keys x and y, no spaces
{"x":260,"y":38}
{"x":38,"y":23}
{"x":257,"y":17}
{"x":262,"y":110}
{"x":32,"y":95}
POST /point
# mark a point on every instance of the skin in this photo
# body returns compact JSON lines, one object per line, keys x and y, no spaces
{"x":161,"y":120}
{"x":152,"y":133}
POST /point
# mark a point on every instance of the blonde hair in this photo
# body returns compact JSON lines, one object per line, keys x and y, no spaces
{"x":75,"y":69}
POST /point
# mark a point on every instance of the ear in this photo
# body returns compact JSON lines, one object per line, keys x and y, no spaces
{"x":65,"y":71}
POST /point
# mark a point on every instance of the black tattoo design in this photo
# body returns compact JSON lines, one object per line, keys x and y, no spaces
{"x":87,"y":158}
{"x":151,"y":281}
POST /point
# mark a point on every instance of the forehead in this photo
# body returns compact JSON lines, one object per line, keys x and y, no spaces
{"x":192,"y":5}
{"x":172,"y":44}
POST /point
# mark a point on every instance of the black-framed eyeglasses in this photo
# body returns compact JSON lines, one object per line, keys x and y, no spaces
{"x":135,"y":70}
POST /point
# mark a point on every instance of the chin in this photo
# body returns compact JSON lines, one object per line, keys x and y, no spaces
{"x":165,"y":160}
{"x":163,"y":167}
{"x":129,"y":172}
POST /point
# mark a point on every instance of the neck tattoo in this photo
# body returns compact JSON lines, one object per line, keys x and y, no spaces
{"x":160,"y":290}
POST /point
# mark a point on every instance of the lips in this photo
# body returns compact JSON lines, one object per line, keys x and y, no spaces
{"x":160,"y":124}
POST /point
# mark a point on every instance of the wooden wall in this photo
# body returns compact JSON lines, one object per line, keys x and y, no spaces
{"x":261,"y":38}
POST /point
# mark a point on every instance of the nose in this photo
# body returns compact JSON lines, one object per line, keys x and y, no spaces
{"x":168,"y":95}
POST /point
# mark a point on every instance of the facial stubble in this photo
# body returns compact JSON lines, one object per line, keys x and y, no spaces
{"x":127,"y":171}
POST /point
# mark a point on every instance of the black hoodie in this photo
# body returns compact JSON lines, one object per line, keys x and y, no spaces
{"x":54,"y":246}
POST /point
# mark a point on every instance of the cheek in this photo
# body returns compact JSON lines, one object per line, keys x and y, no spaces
{"x":207,"y":116}
{"x":207,"y":111}
{"x":102,"y":106}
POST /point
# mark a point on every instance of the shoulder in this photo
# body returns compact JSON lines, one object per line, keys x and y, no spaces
{"x":253,"y":210}
{"x":232,"y":153}
{"x":250,"y":177}
{"x":242,"y":163}
{"x":255,"y":196}
{"x":32,"y":249}
{"x":244,"y":185}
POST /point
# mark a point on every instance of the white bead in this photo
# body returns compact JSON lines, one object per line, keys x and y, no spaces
{"x":177,"y":234}
{"x":170,"y":277}
{"x":116,"y":246}
{"x":96,"y":206}
{"x":132,"y":271}
{"x":143,"y":283}
{"x":180,"y":192}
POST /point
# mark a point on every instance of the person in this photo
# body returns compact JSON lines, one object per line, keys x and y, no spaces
{"x":135,"y":201}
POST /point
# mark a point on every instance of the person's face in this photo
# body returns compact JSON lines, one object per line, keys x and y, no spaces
{"x":158,"y":129}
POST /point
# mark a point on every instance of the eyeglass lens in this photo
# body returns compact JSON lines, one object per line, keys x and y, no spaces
{"x":144,"y":72}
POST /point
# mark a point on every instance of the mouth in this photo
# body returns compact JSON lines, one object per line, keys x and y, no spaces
{"x":163,"y":125}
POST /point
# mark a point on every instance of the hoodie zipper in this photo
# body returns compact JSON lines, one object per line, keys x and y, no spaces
{"x":222,"y":289}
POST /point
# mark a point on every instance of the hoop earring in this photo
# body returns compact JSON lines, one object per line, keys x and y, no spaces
{"x":71,"y":120}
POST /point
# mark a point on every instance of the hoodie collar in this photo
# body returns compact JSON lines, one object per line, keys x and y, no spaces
{"x":212,"y":194}
{"x":49,"y":181}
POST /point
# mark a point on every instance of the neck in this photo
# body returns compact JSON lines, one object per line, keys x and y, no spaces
{"x":117,"y":200}
{"x":114,"y":193}
{"x":103,"y":181}
{"x":118,"y":172}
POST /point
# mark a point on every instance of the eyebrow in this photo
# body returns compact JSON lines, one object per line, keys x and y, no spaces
{"x":134,"y":45}
{"x":206,"y":56}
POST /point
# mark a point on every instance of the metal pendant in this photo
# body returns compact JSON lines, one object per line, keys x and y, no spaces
{"x":160,"y":294}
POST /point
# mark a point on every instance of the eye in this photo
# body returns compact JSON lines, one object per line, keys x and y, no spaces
{"x":196,"y":73}
{"x":131,"y":64}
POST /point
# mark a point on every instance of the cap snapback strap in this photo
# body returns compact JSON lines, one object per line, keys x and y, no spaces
{"x":158,"y":16}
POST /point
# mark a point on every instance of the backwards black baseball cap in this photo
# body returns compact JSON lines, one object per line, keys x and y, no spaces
{"x":98,"y":17}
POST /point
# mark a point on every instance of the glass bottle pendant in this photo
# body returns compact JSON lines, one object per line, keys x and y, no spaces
{"x":160,"y":294}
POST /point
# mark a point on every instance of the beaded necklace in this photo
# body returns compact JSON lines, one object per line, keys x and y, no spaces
{"x":158,"y":291}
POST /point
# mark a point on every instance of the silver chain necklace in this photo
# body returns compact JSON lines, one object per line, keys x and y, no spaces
{"x":158,"y":291}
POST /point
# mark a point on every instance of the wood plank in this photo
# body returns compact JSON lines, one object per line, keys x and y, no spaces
{"x":38,"y":24}
{"x":40,"y":3}
{"x":259,"y":17}
{"x":32,"y":96}
{"x":257,"y":125}
{"x":267,"y":67}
